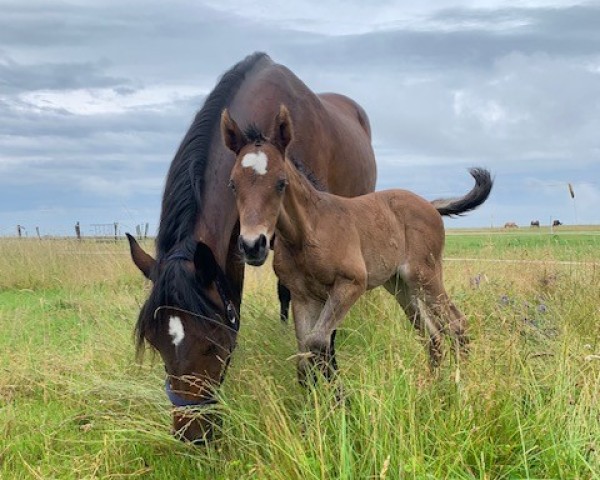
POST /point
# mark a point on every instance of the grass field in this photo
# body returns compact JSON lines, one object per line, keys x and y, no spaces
{"x":75,"y":404}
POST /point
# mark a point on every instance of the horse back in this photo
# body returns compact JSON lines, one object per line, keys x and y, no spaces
{"x":332,"y":134}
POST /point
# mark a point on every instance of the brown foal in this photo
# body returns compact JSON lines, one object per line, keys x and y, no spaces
{"x":329,"y":250}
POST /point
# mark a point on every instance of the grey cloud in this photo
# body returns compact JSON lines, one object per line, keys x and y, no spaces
{"x":562,"y":32}
{"x":442,"y":96}
{"x":15,"y":77}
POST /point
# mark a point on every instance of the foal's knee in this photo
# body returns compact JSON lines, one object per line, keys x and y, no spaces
{"x":318,"y":343}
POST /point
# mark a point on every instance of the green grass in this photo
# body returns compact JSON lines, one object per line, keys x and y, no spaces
{"x":75,"y":404}
{"x":562,"y":244}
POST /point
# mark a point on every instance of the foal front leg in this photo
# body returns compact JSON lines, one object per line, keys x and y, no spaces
{"x":319,"y":341}
{"x":306,"y":312}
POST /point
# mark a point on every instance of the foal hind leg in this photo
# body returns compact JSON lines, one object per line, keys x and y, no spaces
{"x":456,"y":322}
{"x":418,"y":314}
{"x":449,"y":318}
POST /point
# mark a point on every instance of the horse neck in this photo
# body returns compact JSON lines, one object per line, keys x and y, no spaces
{"x":296,"y":218}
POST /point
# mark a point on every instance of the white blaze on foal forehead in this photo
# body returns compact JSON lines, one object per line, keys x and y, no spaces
{"x":258,"y":161}
{"x":176,"y":330}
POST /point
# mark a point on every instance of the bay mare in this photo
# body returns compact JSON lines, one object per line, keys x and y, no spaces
{"x":191,"y":316}
{"x":331,"y":249}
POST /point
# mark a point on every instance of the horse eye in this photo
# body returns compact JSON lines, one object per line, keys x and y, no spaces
{"x":231,"y":185}
{"x":280,"y":185}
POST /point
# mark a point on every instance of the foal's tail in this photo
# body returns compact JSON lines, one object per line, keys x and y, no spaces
{"x":478,"y":194}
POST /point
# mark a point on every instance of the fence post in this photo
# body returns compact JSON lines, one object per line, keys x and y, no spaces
{"x":78,"y":231}
{"x":116,"y":231}
{"x":138,"y":232}
{"x":37,"y":230}
{"x":146,"y":231}
{"x":19,"y":231}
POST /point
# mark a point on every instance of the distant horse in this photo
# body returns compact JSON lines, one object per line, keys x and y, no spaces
{"x":535,"y":223}
{"x":556,"y":223}
{"x":330,"y":249}
{"x":510,"y":225}
{"x":191,"y":314}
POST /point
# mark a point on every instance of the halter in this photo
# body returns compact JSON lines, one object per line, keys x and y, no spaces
{"x":178,"y":401}
{"x":231,"y":314}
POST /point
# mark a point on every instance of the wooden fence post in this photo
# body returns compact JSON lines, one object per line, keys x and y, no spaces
{"x":37,"y":230}
{"x":78,"y":231}
{"x":19,"y":231}
{"x":146,"y":230}
{"x":116,"y":231}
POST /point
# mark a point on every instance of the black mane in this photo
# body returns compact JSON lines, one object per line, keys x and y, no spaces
{"x":174,"y":285}
{"x":183,"y":190}
{"x":309,"y":174}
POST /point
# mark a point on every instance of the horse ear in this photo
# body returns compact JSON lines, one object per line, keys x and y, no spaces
{"x":141,"y":259}
{"x":282,"y":131}
{"x":232,"y":135}
{"x":206,"y":264}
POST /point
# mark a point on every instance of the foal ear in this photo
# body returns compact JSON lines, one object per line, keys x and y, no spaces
{"x":282,"y":131}
{"x":232,"y":135}
{"x":141,"y":259}
{"x":206,"y":264}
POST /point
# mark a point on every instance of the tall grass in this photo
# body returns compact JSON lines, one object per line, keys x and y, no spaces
{"x":74,"y":404}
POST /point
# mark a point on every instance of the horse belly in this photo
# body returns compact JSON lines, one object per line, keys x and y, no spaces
{"x":383,"y":244}
{"x":380,"y":269}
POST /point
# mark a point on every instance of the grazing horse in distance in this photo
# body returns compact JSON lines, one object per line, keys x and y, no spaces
{"x":535,"y":223}
{"x":510,"y":225}
{"x":556,"y":223}
{"x":191,"y":316}
{"x":331,"y":249}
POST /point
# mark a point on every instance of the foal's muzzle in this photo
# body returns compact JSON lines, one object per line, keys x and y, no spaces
{"x":254,"y":251}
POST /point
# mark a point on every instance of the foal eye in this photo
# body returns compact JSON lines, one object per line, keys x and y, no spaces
{"x":280,"y":185}
{"x":231,"y":185}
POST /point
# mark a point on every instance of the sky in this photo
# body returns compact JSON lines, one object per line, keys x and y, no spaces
{"x":95,"y":97}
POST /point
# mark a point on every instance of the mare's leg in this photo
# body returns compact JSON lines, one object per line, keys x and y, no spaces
{"x":332,"y":360}
{"x":283,"y":293}
{"x":285,"y":297}
{"x":342,"y":296}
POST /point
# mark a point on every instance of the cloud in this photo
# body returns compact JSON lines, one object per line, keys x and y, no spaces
{"x":96,"y":96}
{"x":15,"y":77}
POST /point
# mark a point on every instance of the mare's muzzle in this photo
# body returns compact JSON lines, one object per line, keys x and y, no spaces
{"x":189,"y":424}
{"x":254,"y":251}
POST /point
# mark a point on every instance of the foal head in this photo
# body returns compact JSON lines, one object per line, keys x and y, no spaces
{"x":258,"y":180}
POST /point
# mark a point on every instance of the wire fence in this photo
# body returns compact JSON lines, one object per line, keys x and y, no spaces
{"x":100,"y":232}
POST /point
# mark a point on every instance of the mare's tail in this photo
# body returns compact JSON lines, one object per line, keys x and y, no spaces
{"x":478,"y":194}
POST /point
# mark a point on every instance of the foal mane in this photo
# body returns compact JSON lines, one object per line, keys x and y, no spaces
{"x":181,"y":203}
{"x":308,"y":173}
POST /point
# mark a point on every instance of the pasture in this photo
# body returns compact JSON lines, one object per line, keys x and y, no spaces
{"x":75,"y":404}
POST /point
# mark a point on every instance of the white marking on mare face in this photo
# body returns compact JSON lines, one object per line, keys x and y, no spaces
{"x":258,"y":161}
{"x":176,"y":330}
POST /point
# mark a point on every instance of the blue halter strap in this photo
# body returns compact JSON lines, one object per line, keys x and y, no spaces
{"x":179,"y":401}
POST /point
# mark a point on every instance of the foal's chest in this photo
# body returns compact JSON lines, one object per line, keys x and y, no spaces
{"x":304,"y":271}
